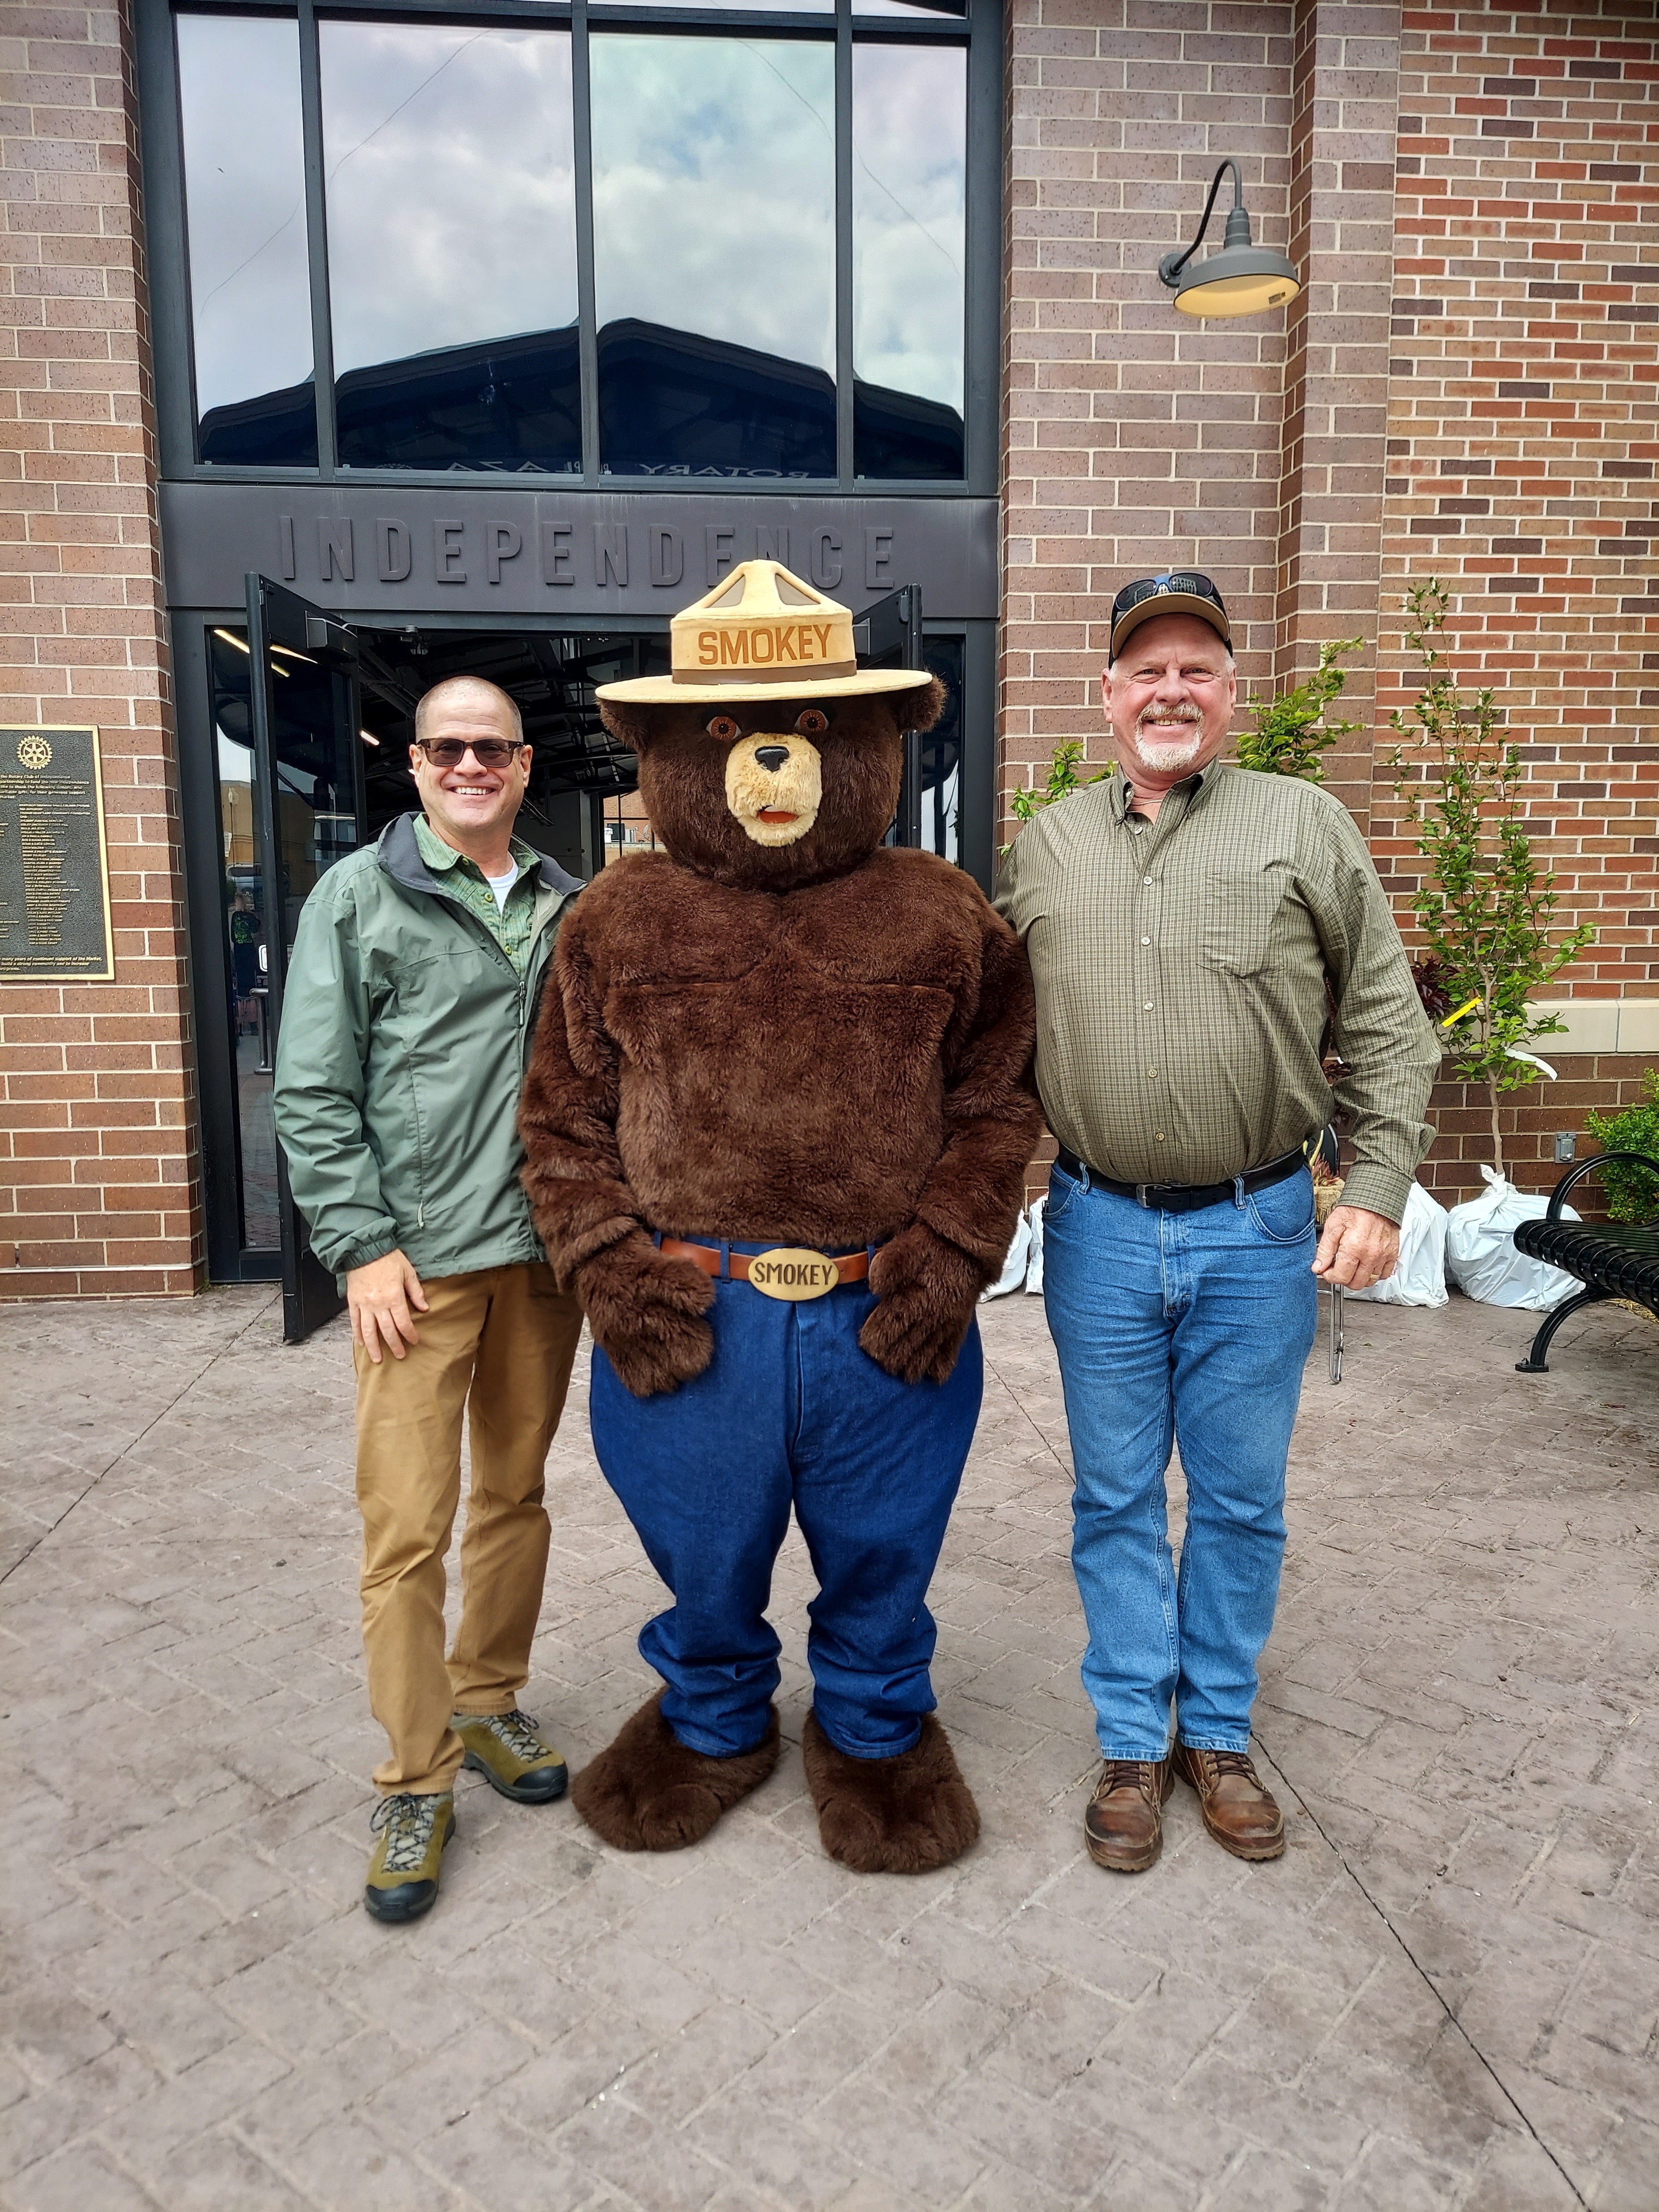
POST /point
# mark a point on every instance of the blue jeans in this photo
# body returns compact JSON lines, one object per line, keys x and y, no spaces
{"x":791,"y":1411}
{"x":1188,"y":1329}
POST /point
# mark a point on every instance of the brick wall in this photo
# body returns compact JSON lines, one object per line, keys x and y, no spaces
{"x":1465,"y":387}
{"x":98,"y":1175}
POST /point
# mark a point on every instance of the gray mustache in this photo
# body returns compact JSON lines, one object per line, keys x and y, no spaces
{"x":1169,"y":721}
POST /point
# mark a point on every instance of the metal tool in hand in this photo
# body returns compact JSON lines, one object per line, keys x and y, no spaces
{"x":1336,"y":1332}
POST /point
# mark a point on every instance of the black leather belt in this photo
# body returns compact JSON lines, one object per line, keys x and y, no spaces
{"x":1183,"y":1197}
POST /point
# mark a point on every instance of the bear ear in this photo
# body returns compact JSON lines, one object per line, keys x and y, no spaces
{"x":922,"y":708}
{"x":626,"y":722}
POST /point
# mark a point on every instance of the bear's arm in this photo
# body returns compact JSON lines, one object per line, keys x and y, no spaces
{"x":974,"y":1193}
{"x":573,"y":1173}
{"x":928,"y":1278}
{"x":645,"y":1310}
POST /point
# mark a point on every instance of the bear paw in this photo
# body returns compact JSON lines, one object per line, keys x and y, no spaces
{"x":647,"y":1792}
{"x":902,"y":1815}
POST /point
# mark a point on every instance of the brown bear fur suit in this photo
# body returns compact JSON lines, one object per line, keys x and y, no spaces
{"x":822,"y":1043}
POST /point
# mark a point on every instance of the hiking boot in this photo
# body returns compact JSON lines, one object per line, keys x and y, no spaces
{"x":1123,"y":1826}
{"x":403,"y":1873}
{"x":1239,"y":1809}
{"x":505,"y":1748}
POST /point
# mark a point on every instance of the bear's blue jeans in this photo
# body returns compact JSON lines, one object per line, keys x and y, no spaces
{"x":1189,"y":1328}
{"x":791,"y":1411}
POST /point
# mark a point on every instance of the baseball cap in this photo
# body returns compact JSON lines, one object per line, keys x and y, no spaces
{"x":1183,"y":592}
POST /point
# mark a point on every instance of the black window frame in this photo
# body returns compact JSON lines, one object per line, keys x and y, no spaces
{"x":979,"y":31}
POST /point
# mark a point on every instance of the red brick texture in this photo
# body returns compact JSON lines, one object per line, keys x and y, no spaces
{"x":1465,"y":388}
{"x":99,"y":1163}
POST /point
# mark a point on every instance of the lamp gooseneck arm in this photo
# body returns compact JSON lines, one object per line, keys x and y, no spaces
{"x":1171,"y":265}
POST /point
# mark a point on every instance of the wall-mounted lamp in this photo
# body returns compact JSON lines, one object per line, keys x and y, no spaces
{"x":1243,"y":279}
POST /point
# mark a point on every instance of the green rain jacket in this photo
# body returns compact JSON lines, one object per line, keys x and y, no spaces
{"x":404,"y":1034}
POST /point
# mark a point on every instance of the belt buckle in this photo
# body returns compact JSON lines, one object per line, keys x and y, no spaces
{"x":792,"y":1274}
{"x":1141,"y":1190}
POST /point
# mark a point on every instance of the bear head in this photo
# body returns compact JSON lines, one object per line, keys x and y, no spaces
{"x":773,"y":793}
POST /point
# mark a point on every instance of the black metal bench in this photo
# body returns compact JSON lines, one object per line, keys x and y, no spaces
{"x":1611,"y":1259}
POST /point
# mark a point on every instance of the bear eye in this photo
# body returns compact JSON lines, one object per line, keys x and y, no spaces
{"x":812,"y":723}
{"x":724,"y":727}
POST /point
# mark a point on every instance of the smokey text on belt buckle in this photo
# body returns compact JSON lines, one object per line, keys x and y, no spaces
{"x":793,"y":1274}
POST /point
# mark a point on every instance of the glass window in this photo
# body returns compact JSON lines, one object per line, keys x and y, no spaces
{"x":910,"y":241}
{"x":910,"y":7}
{"x":244,"y":203}
{"x":941,"y":756}
{"x":246,"y":961}
{"x":714,"y":255}
{"x":450,"y":178}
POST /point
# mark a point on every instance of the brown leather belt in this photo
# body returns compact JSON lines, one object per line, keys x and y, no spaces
{"x":789,"y":1271}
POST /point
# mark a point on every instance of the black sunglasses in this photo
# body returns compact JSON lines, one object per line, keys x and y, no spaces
{"x":489,"y":752}
{"x":1188,"y":582}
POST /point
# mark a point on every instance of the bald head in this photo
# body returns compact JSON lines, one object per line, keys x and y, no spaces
{"x":475,"y":695}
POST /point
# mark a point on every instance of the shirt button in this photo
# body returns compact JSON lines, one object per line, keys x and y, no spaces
{"x":1146,"y":940}
{"x":1148,"y":879}
{"x":1160,"y":1136}
{"x":1147,"y":1008}
{"x":1152,"y":1075}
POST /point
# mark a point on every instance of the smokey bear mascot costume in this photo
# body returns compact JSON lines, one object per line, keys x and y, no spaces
{"x":776,"y":1122}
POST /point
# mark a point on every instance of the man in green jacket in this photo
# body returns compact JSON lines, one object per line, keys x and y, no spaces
{"x":411,"y":1002}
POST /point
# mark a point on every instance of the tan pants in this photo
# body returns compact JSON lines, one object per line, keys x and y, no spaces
{"x":508,"y":1336}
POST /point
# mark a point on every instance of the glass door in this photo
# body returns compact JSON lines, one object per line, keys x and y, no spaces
{"x":308,"y":805}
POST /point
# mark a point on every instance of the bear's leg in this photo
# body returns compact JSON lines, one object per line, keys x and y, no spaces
{"x":703,"y":1475}
{"x":648,"y":1792}
{"x":906,"y":1814}
{"x":878,"y":1464}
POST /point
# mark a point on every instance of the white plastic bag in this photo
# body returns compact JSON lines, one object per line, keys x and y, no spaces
{"x":1014,"y":1265}
{"x":1419,"y":1275}
{"x":1034,"y":1266}
{"x":1480,"y":1254}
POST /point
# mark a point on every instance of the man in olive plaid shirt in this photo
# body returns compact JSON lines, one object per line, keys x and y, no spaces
{"x":1184,"y":922}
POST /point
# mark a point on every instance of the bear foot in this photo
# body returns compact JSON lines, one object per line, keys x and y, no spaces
{"x":902,"y":1815}
{"x":647,"y":1792}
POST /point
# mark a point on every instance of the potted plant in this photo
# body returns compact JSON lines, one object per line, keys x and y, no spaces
{"x":1485,"y":904}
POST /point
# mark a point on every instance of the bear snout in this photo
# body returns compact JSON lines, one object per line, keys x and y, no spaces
{"x":774,"y":786}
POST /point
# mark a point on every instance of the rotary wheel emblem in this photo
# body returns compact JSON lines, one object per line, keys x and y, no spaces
{"x":34,"y":750}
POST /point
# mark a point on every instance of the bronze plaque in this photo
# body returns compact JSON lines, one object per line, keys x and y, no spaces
{"x":54,"y":870}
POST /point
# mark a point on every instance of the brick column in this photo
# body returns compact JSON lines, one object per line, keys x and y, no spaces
{"x":99,"y":1179}
{"x":1135,"y":438}
{"x":1345,"y":99}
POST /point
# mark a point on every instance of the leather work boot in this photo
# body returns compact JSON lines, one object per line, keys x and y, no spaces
{"x":1123,"y":1826}
{"x":1239,"y":1809}
{"x":505,"y":1748}
{"x":403,"y":1872}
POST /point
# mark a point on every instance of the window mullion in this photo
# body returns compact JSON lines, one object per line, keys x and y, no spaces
{"x":322,"y":328}
{"x":844,"y":458}
{"x":588,"y":334}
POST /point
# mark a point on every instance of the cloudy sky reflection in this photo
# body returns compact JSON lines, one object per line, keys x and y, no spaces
{"x":449,"y":167}
{"x":714,"y":189}
{"x":451,"y":186}
{"x":239,"y":90}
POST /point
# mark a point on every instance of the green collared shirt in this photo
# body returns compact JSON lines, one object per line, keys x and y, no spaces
{"x":1180,"y":969}
{"x":511,"y":925}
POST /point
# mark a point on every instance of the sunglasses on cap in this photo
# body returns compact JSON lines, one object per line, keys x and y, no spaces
{"x":1182,"y":583}
{"x":489,"y":752}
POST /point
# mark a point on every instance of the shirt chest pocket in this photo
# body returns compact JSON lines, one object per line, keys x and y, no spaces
{"x":1241,"y":906}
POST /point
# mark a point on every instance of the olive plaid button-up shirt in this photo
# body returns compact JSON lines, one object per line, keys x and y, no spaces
{"x":511,"y":925}
{"x":1181,"y":970}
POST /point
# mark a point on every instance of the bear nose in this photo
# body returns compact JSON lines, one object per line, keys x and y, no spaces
{"x":772,"y":757}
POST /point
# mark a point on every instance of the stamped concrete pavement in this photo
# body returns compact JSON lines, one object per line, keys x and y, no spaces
{"x":1443,"y":1995}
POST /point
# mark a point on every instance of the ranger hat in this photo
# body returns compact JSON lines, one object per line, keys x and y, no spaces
{"x":761,"y":629}
{"x":1183,"y":592}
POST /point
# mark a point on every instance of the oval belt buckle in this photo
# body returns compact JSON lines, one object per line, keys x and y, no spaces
{"x":792,"y":1273}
